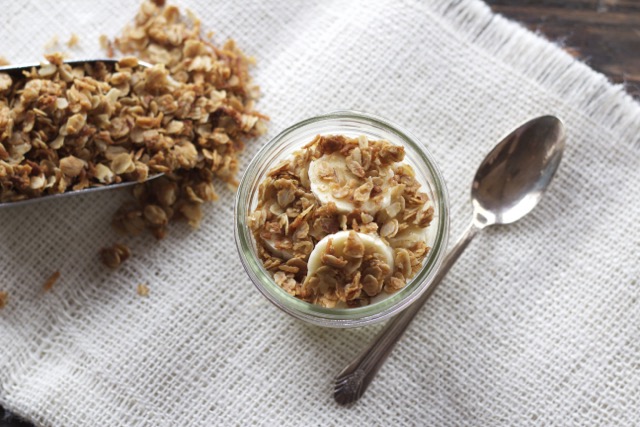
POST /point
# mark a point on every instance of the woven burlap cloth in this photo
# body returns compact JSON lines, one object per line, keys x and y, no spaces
{"x":538,"y":323}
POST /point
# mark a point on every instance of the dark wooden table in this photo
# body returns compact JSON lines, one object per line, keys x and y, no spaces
{"x":603,"y":33}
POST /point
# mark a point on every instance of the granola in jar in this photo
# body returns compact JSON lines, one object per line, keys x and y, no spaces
{"x":342,"y":222}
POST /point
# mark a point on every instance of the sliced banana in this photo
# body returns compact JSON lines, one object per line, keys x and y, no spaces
{"x":332,"y":170}
{"x":409,"y":236}
{"x":413,"y":233}
{"x":372,"y":245}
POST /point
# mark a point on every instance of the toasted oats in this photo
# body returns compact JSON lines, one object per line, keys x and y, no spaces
{"x":122,"y":163}
{"x":363,"y":193}
{"x":340,"y":191}
{"x":193,"y":213}
{"x":333,"y":261}
{"x":394,"y":284}
{"x":48,"y":284}
{"x":114,"y":255}
{"x":403,"y":262}
{"x":71,"y":166}
{"x":393,"y":209}
{"x":389,"y":228}
{"x":5,"y":82}
{"x":285,"y":197}
{"x":371,"y":286}
{"x":354,"y":163}
{"x":155,"y":215}
{"x":354,"y":247}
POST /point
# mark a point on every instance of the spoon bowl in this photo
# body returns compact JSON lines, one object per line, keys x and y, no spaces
{"x":513,"y":176}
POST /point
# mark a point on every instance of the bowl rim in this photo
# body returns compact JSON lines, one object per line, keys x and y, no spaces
{"x":341,"y":317}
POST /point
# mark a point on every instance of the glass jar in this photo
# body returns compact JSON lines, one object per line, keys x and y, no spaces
{"x":350,"y":124}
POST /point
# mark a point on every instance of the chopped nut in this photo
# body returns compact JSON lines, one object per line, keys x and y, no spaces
{"x":391,"y":154}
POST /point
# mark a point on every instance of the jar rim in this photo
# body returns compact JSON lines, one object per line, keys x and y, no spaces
{"x":340,"y":317}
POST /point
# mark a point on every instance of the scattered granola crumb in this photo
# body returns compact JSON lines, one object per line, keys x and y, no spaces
{"x":143,"y":290}
{"x":104,"y":41}
{"x":4,"y":299}
{"x":3,"y":61}
{"x":65,"y":127}
{"x":106,"y":45}
{"x":48,"y":284}
{"x":52,"y":43}
{"x":115,"y":255}
{"x":73,"y":40}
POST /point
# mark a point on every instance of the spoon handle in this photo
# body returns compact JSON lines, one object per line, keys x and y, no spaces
{"x":353,"y":380}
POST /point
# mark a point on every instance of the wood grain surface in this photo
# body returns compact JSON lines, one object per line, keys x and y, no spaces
{"x":603,"y":33}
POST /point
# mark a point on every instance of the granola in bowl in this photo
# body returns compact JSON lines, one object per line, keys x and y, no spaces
{"x":67,"y":127}
{"x":342,"y":219}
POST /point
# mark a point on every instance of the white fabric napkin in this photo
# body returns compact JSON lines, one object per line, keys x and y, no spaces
{"x":538,"y":323}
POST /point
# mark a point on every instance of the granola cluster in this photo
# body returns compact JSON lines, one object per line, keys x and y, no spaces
{"x":290,"y":220}
{"x":65,"y":127}
{"x":213,"y":109}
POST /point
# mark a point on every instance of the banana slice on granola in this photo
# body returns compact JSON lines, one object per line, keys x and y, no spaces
{"x":343,"y":181}
{"x":347,"y":252}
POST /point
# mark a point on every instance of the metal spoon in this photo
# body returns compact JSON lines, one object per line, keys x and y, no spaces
{"x":508,"y":185}
{"x":16,"y":72}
